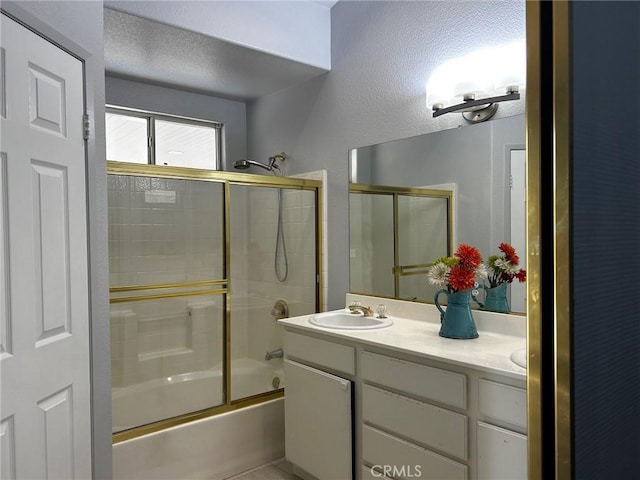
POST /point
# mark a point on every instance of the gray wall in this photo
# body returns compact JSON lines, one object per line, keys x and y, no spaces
{"x":77,"y":26}
{"x":232,"y":114}
{"x":382,"y":56}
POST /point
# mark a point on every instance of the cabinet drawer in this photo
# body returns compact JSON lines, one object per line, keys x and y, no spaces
{"x":320,"y":352}
{"x":429,"y":425}
{"x":503,"y":402}
{"x":428,"y":382}
{"x":379,"y":448}
{"x":502,"y":454}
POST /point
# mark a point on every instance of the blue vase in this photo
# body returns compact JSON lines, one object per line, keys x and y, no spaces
{"x":456,"y":320}
{"x":495,"y":299}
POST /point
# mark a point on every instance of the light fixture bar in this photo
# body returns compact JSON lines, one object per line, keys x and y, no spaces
{"x":468,"y":105}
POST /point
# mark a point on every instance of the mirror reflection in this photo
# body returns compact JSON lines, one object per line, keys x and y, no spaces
{"x":464,"y":185}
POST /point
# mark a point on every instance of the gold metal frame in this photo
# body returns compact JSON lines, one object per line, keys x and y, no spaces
{"x":320,"y":253}
{"x":562,"y":244}
{"x":533,"y":141}
{"x":401,"y":270}
{"x":226,"y":331}
{"x":190,"y":417}
{"x":185,"y":173}
{"x":135,"y":288}
{"x":158,"y":296}
{"x":559,"y":32}
{"x":404,"y":270}
{"x":367,"y":188}
{"x":227,"y":179}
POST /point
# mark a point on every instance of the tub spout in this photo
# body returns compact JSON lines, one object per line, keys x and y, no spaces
{"x":275,"y":354}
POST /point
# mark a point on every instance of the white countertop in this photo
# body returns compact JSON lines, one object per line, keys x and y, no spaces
{"x":490,"y":352}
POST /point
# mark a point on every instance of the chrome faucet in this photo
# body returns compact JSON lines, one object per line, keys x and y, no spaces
{"x":275,"y":354}
{"x":366,"y":311}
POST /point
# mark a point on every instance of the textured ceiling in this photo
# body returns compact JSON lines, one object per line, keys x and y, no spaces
{"x":144,"y":50}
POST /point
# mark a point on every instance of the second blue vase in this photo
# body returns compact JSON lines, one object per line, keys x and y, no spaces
{"x":495,"y":299}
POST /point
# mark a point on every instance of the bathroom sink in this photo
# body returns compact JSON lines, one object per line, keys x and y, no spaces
{"x":519,"y":357}
{"x":349,"y":321}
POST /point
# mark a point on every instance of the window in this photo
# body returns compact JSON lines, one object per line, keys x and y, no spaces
{"x":142,"y":137}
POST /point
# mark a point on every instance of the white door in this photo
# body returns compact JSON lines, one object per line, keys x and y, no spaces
{"x":518,"y":300}
{"x":45,"y":429}
{"x":317,"y":422}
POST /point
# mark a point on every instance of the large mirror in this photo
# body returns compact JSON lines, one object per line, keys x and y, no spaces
{"x":464,"y":185}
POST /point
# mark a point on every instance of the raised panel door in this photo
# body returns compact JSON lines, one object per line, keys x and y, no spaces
{"x":45,"y":428}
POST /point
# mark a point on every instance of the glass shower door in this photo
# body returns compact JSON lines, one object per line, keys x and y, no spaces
{"x":273,"y":235}
{"x":394,"y":235}
{"x":168,"y":297}
{"x":423,"y":237}
{"x":371,"y":243}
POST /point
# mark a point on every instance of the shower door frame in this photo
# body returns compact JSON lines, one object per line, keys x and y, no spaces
{"x":223,"y":285}
{"x":395,"y":193}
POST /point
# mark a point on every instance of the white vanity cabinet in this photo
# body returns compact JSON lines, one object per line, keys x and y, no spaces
{"x":318,"y":406}
{"x":501,"y":432}
{"x":413,"y":418}
{"x":411,"y":414}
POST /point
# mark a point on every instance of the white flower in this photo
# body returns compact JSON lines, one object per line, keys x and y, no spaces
{"x":438,"y":274}
{"x":482,"y":271}
{"x":506,"y":266}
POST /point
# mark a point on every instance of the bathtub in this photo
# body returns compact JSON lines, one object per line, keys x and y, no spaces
{"x":211,"y":448}
{"x":174,"y":395}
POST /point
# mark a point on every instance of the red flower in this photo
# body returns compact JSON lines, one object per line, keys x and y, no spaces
{"x":521,"y":275}
{"x":468,"y":256}
{"x":509,"y":253}
{"x":461,"y":278}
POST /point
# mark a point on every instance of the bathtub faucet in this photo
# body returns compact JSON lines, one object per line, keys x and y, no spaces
{"x":275,"y":354}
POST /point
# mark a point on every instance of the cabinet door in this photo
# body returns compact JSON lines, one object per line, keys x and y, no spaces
{"x":502,"y":454}
{"x":318,"y":426}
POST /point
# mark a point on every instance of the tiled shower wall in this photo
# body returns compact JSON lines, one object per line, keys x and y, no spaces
{"x":255,"y":285}
{"x":164,"y":230}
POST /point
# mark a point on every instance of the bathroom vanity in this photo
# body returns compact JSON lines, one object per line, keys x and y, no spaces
{"x":402,"y":402}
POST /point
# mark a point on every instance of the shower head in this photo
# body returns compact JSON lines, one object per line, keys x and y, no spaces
{"x":244,"y":164}
{"x":241,"y":164}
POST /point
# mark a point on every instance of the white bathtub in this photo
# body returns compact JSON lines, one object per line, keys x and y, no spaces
{"x":213,"y":448}
{"x":167,"y":397}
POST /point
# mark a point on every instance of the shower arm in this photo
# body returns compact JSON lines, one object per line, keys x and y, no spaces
{"x":272,"y":166}
{"x":272,"y":160}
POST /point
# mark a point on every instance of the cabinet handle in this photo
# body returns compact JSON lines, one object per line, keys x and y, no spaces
{"x":344,"y":385}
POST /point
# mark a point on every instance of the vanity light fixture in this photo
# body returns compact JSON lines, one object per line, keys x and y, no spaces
{"x":476,"y":83}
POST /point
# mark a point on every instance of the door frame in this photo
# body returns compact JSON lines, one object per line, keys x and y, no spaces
{"x":37,"y":18}
{"x":549,"y":382}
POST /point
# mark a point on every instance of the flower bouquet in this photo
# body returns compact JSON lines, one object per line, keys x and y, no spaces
{"x":457,"y":276}
{"x":504,"y":268}
{"x":457,"y":273}
{"x":501,"y":270}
